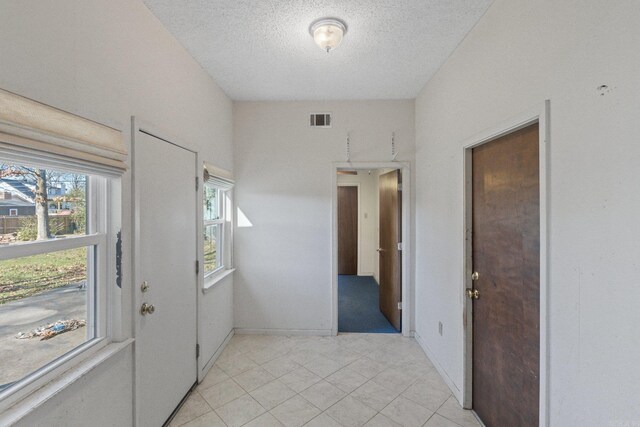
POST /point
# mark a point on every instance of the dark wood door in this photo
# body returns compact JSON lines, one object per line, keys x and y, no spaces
{"x":506,"y":255}
{"x":347,"y":230}
{"x":389,"y":255}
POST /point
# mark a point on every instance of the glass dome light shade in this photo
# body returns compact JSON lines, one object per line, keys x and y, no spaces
{"x":328,"y":33}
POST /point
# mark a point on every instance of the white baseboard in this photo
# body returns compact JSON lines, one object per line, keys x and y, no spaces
{"x":445,"y":377}
{"x":218,"y":352}
{"x":307,"y":332}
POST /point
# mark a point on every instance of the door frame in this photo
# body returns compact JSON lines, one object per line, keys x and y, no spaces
{"x":405,"y":170}
{"x":540,"y":115}
{"x":138,"y":125}
{"x":355,"y":184}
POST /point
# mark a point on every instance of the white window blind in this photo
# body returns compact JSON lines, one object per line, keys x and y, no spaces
{"x":29,"y":129}
{"x":218,"y":177}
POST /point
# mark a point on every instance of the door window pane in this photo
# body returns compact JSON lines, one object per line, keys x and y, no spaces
{"x":45,"y":309}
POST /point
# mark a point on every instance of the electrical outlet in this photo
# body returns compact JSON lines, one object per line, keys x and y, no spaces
{"x":440,"y":328}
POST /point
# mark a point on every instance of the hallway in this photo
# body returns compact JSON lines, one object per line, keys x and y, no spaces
{"x":346,"y":380}
{"x":358,"y":306}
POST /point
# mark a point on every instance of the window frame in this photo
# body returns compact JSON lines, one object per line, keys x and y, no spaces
{"x":101,"y":216}
{"x":225,"y":223}
{"x":13,"y":212}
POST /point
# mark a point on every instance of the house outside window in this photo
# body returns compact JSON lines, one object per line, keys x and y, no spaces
{"x":13,"y":212}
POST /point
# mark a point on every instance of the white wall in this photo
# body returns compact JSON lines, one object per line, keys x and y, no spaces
{"x":368,"y":236}
{"x":284,"y":184}
{"x":107,"y":61}
{"x":520,"y":54}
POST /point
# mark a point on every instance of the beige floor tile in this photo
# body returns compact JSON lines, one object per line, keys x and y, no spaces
{"x":295,"y":412}
{"x":322,"y":395}
{"x":452,"y":410}
{"x":351,"y":412}
{"x":210,"y":419}
{"x":253,"y":378}
{"x":439,"y":421}
{"x":265,"y":420}
{"x":222,"y":393}
{"x":235,"y":365}
{"x":272,"y":394}
{"x":213,"y":377}
{"x":344,"y":356}
{"x":300,"y":379}
{"x":424,"y":394}
{"x":323,"y":420}
{"x":240,"y":411}
{"x":280,"y":366}
{"x":323,"y":366}
{"x":395,"y":379}
{"x":304,"y":356}
{"x":374,"y":395}
{"x":382,"y":421}
{"x":265,"y":354}
{"x":407,"y":413}
{"x":193,"y":407}
{"x":346,"y":379}
{"x":368,"y":368}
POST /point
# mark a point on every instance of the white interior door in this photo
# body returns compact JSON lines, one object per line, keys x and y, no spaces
{"x":165,"y":255}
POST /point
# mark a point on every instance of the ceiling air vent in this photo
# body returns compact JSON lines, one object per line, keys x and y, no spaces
{"x":320,"y":120}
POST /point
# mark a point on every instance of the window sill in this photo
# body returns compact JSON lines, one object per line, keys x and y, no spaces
{"x":32,"y":401}
{"x":212,"y":282}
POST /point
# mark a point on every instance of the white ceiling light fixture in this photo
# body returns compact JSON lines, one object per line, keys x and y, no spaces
{"x":328,"y":32}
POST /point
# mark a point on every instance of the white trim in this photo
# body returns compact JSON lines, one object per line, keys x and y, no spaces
{"x":301,"y":332}
{"x":359,"y":261}
{"x":541,"y":115}
{"x":405,"y":170}
{"x":18,"y":250}
{"x":212,"y":281}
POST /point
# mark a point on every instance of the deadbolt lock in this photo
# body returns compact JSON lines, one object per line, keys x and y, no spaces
{"x":473,"y":293}
{"x":144,"y":287}
{"x":475,"y":275}
{"x":147,"y":309}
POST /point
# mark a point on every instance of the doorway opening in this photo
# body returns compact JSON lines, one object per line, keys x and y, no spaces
{"x":368,"y":249}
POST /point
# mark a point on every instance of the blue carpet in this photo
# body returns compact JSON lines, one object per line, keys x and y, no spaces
{"x":358,"y":309}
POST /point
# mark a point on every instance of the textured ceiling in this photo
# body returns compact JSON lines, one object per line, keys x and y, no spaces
{"x":262,"y":50}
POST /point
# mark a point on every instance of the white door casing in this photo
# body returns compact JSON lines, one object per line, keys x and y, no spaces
{"x":164,"y":257}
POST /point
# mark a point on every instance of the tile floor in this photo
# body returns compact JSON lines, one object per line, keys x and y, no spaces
{"x":342,"y":381}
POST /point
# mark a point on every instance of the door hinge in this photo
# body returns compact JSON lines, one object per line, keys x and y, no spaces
{"x":197,"y":183}
{"x":197,"y":267}
{"x":197,"y":351}
{"x":399,"y":186}
{"x":400,"y":246}
{"x":400,"y":305}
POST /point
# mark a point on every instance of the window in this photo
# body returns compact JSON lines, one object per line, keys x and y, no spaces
{"x":51,"y":271}
{"x":217,"y":232}
{"x":13,"y":212}
{"x":58,"y":272}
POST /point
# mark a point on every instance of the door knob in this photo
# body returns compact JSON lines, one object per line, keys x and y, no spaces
{"x":147,"y":309}
{"x":473,"y":293}
{"x":475,"y":275}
